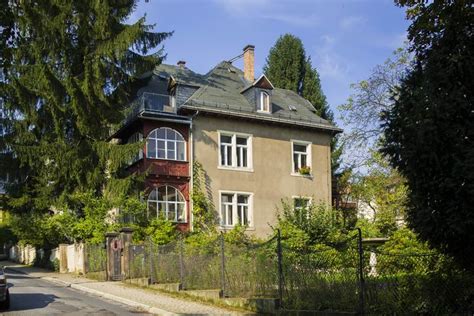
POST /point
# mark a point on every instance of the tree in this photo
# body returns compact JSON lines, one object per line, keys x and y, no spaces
{"x":383,"y":191}
{"x":362,"y":113}
{"x":429,"y":131}
{"x":288,"y":68}
{"x":285,"y":65}
{"x":70,"y":69}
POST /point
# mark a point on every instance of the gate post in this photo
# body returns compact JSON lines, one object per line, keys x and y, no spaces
{"x":110,"y":238}
{"x":126,"y":234}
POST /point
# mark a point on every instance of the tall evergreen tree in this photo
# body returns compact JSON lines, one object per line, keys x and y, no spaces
{"x":285,"y":66}
{"x":312,"y":91}
{"x":70,"y":67}
{"x":288,"y":68}
{"x":429,"y":131}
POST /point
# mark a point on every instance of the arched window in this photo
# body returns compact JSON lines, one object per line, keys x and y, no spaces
{"x":168,"y":202}
{"x":165,"y":143}
{"x":264,"y":102}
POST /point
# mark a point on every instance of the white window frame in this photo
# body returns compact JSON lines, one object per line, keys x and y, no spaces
{"x":182,"y":140}
{"x":135,"y":138}
{"x":166,"y":203}
{"x":235,"y":209}
{"x":235,"y":147}
{"x":261,"y":105}
{"x":309,"y":149}
{"x":302,"y":197}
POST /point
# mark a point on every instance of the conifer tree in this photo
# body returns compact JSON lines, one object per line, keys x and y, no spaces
{"x":288,"y":68}
{"x":285,"y":64}
{"x":70,"y":68}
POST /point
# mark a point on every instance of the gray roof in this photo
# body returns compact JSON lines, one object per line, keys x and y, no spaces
{"x":219,"y":91}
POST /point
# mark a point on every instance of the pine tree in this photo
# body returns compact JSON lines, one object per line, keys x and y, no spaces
{"x":285,"y":65}
{"x":313,"y":92}
{"x":70,"y":68}
{"x":288,"y":68}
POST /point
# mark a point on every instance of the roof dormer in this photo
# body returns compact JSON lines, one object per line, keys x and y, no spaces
{"x":259,"y":94}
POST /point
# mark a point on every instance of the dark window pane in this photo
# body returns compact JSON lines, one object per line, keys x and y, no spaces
{"x":241,"y":141}
{"x":161,"y":133}
{"x":151,"y":149}
{"x":300,"y":148}
{"x":226,"y":139}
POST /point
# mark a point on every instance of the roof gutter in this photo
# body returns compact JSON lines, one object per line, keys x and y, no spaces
{"x":334,"y":130}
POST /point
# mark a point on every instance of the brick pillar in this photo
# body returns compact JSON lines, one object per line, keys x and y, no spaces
{"x":109,"y":240}
{"x":126,"y":236}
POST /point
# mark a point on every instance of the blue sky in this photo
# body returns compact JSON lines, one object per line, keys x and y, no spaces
{"x":345,"y":38}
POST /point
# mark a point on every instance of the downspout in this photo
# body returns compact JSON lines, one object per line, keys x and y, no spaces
{"x":191,"y":162}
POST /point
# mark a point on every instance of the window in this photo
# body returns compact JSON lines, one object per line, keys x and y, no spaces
{"x":168,"y":202}
{"x":301,"y":203}
{"x":166,"y":143}
{"x":236,"y":209}
{"x":301,"y":157}
{"x":264,"y":105}
{"x":235,"y":151}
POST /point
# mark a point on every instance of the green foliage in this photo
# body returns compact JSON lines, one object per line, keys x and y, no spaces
{"x":161,"y":231}
{"x":204,"y":215}
{"x":70,"y":69}
{"x":312,"y":226}
{"x":384,"y":192}
{"x":285,"y":64}
{"x":6,"y":234}
{"x":429,"y":130}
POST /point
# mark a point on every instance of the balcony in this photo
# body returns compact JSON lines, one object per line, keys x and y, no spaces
{"x":152,"y":103}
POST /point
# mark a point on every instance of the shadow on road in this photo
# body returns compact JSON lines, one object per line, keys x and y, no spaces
{"x":25,"y":301}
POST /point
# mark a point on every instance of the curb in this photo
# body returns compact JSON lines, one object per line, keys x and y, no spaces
{"x":144,"y":307}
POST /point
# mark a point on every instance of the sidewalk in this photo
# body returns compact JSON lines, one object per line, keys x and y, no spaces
{"x":149,"y":301}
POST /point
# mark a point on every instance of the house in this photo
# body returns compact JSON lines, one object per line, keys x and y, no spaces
{"x":257,"y":144}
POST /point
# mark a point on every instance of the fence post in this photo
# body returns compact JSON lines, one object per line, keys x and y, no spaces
{"x":181,"y":262}
{"x":223,"y":285}
{"x":361,"y":274}
{"x":150,"y":254}
{"x":280,"y":269}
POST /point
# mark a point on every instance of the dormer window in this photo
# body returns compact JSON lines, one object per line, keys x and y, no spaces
{"x":264,"y":104}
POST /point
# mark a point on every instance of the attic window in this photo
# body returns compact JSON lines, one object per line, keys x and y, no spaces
{"x":292,"y":108}
{"x":264,"y":104}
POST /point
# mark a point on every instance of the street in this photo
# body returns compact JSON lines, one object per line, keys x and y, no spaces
{"x":30,"y":295}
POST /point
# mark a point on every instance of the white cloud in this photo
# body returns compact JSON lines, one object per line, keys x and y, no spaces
{"x":329,"y":63}
{"x":350,"y":22}
{"x":265,"y":9}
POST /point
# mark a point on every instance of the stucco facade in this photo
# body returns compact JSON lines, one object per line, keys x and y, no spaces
{"x":270,"y":177}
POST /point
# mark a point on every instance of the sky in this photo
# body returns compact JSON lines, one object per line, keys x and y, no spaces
{"x":346,"y":39}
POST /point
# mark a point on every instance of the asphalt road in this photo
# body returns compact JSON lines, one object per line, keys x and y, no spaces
{"x":33,"y":296}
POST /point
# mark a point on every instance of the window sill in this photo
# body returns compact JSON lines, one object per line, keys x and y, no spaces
{"x":235,"y":169}
{"x":176,"y":160}
{"x":309,"y":176}
{"x":250,"y":228}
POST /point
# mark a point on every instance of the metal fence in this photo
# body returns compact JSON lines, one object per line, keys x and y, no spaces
{"x":96,"y":261}
{"x":348,"y":277}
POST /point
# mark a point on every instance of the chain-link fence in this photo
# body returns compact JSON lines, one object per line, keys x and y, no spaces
{"x":96,"y":261}
{"x":401,"y":283}
{"x":347,"y":277}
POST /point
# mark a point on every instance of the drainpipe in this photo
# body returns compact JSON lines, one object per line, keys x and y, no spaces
{"x":191,"y":162}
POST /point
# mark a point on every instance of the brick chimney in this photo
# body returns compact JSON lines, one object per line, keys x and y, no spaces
{"x":181,"y":63}
{"x":249,"y":60}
